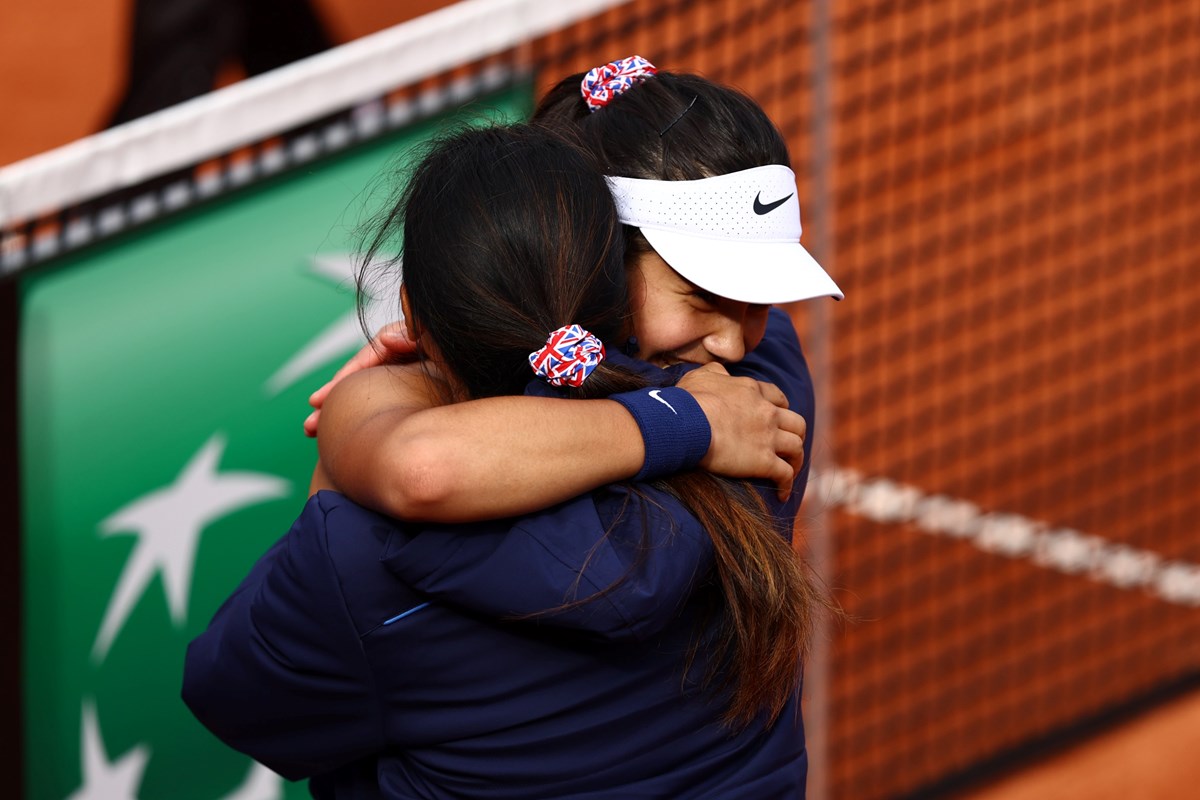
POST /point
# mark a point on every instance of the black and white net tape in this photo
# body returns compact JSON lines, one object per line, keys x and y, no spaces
{"x":28,"y":243}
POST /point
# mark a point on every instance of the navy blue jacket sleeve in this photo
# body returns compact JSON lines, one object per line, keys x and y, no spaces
{"x":280,"y":673}
{"x":635,"y":574}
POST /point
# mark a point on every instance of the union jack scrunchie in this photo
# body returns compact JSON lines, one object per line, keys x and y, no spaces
{"x":604,"y":83}
{"x":568,"y":357}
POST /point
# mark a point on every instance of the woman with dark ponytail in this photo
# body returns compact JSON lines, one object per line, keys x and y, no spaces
{"x":643,"y":640}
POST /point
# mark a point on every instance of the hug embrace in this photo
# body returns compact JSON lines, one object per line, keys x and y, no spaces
{"x":548,"y":548}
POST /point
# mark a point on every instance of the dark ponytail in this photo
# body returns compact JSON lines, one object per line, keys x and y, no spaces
{"x":510,"y":233}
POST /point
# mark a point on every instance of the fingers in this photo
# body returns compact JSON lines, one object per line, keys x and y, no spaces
{"x":367,"y":356}
{"x":394,"y":338}
{"x":391,"y":338}
{"x":789,"y":449}
{"x":713,"y":366}
{"x":772,"y":393}
{"x":371,"y":354}
{"x":795,"y":463}
{"x":782,"y":475}
{"x":791,"y":422}
{"x":310,"y":424}
{"x":317,"y":398}
{"x":748,"y":440}
{"x":789,"y":452}
{"x":393,"y":329}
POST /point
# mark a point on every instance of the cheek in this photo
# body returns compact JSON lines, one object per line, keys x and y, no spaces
{"x":754,"y":328}
{"x":664,"y":324}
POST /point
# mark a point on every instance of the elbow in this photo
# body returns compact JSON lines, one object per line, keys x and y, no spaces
{"x":202,"y":691}
{"x":421,"y":485}
{"x":228,"y":709}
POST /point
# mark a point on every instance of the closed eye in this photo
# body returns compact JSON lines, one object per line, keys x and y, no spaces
{"x":705,"y":297}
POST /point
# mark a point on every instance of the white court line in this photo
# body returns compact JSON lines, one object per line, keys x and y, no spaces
{"x":1061,"y":549}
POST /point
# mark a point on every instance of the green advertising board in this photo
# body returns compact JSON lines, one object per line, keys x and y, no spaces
{"x":163,"y":383}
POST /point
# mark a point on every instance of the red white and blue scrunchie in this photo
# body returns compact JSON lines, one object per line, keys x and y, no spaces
{"x":568,"y":357}
{"x":604,"y":83}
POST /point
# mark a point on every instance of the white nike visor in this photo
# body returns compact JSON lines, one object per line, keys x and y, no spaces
{"x":735,"y":235}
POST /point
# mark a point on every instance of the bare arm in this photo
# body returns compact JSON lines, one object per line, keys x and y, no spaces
{"x":384,"y":443}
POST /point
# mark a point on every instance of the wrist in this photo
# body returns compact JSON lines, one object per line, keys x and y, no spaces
{"x":675,"y":431}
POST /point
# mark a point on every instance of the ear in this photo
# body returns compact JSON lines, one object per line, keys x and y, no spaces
{"x":406,"y":311}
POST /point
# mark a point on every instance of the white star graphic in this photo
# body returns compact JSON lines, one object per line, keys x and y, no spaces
{"x":260,"y":784}
{"x":168,"y":523}
{"x":102,"y":780}
{"x":345,"y":334}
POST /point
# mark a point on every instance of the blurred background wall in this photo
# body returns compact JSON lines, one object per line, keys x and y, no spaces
{"x":65,"y":63}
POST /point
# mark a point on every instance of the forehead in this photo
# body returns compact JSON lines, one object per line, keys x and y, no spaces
{"x":659,"y":274}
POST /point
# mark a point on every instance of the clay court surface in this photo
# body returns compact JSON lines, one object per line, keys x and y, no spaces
{"x":1150,"y":757}
{"x":62,"y":63}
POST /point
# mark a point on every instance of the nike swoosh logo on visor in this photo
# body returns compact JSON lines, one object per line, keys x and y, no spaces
{"x":761,"y":209}
{"x":655,"y":393}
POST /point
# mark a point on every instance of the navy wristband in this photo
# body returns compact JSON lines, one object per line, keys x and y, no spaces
{"x":674,"y":429}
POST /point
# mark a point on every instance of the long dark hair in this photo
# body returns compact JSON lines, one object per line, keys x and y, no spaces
{"x":510,"y":233}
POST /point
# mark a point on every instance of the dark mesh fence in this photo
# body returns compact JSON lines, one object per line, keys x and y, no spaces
{"x":1009,"y":194}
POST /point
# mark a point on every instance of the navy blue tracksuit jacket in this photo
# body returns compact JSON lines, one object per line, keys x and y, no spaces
{"x":388,"y":660}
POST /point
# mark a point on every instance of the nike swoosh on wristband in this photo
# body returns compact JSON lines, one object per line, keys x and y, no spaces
{"x":655,"y":393}
{"x":761,"y":209}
